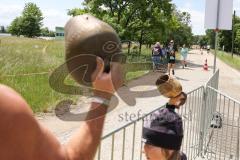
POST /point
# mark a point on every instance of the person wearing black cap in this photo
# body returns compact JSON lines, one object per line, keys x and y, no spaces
{"x":163,"y":131}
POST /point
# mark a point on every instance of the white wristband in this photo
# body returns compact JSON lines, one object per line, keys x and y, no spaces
{"x":100,"y":100}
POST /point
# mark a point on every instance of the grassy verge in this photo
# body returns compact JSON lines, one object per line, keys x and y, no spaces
{"x":134,"y":56}
{"x":134,"y":75}
{"x":227,"y":58}
{"x":20,"y":56}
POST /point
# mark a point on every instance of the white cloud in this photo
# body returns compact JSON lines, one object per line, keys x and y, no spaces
{"x":55,"y":17}
{"x":8,"y":13}
{"x":197,"y":15}
{"x":197,"y":20}
{"x":236,"y":5}
{"x":187,"y":4}
{"x":52,"y":17}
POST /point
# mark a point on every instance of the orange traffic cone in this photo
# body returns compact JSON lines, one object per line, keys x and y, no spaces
{"x":205,"y":66}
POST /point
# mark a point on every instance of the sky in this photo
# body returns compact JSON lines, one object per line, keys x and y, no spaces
{"x":55,"y":11}
{"x":197,"y":10}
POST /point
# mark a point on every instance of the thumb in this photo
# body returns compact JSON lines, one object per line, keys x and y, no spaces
{"x":99,"y":68}
{"x":117,"y":74}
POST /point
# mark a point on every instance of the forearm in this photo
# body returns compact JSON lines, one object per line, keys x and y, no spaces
{"x":83,"y":145}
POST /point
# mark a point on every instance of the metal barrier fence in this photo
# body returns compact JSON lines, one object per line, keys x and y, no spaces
{"x":211,"y":122}
{"x":125,"y":143}
{"x":209,"y":106}
{"x":213,"y":81}
{"x":222,"y":127}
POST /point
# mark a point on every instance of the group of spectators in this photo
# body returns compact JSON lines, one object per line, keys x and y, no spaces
{"x":159,"y":54}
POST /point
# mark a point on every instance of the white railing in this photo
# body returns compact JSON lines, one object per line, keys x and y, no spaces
{"x":222,"y":127}
{"x":126,"y":142}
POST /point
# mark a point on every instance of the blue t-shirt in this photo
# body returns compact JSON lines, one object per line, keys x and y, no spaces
{"x":184,"y":52}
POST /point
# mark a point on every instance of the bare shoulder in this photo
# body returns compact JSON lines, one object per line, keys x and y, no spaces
{"x":15,"y":121}
{"x":15,"y":113}
{"x":21,"y":133}
{"x":11,"y":102}
{"x":14,"y":110}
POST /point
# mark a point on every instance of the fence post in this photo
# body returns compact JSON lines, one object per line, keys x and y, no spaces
{"x":214,"y":94}
{"x":213,"y":82}
{"x":202,"y":121}
{"x":237,"y":156}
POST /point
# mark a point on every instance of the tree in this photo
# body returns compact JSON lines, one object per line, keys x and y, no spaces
{"x":179,"y":28}
{"x":123,"y":15}
{"x":47,"y":33}
{"x":29,"y":23}
{"x":44,"y":31}
{"x":225,"y":37}
{"x":51,"y":34}
{"x":2,"y":29}
{"x":211,"y":37}
{"x":31,"y":20}
{"x":76,"y":11}
{"x":196,"y":39}
{"x":203,"y":41}
{"x":237,"y":38}
{"x":15,"y":28}
{"x":143,"y":21}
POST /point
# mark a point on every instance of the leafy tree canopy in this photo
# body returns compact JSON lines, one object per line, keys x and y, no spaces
{"x":29,"y":23}
{"x":145,"y":21}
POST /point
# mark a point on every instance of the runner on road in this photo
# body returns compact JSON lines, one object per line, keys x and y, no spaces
{"x":171,"y":57}
{"x":208,"y":48}
{"x":184,"y":53}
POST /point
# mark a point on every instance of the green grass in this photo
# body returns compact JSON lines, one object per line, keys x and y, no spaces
{"x":134,"y":56}
{"x":227,"y":58}
{"x":20,"y":56}
{"x":134,"y":75}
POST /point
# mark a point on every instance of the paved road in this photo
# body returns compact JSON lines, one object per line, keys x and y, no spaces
{"x":229,"y":77}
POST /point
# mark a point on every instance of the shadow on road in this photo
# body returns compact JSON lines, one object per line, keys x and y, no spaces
{"x":182,"y":79}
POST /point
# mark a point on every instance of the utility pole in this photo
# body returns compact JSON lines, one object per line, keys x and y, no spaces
{"x":216,"y":36}
{"x":218,"y":16}
{"x":234,"y":15}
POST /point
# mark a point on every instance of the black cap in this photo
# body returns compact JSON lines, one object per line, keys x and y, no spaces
{"x":164,"y":129}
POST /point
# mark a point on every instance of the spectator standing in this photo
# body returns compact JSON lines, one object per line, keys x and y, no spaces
{"x":163,"y":130}
{"x":156,"y":55}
